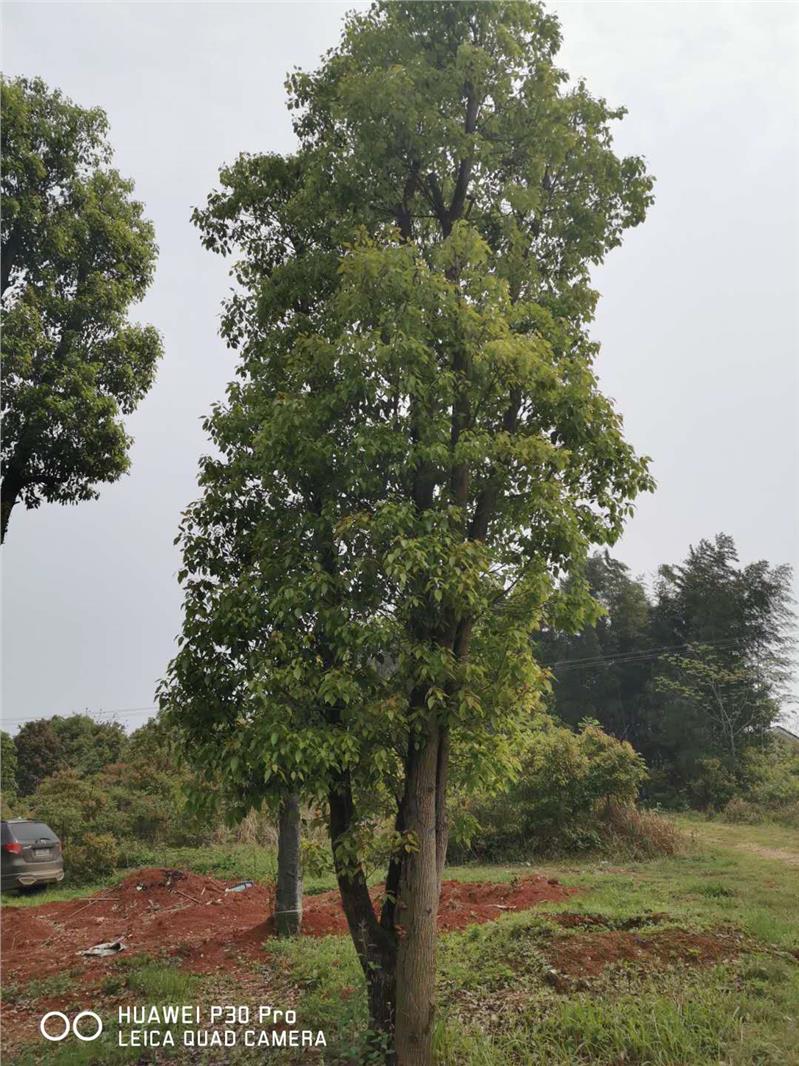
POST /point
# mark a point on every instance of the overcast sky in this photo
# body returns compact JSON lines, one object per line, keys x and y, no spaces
{"x":698,"y":318}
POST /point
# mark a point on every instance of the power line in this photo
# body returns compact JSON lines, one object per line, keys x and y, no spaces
{"x":132,"y":712}
{"x":650,"y":653}
{"x":583,"y":664}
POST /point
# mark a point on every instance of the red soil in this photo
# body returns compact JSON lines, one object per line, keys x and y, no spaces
{"x":153,"y":911}
{"x":589,"y":953}
{"x":158,"y":911}
{"x":462,"y":903}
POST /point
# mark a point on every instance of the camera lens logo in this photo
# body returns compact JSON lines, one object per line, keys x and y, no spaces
{"x":55,"y":1025}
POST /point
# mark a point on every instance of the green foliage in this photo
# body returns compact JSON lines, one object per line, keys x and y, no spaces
{"x":93,"y":859}
{"x":415,"y":447}
{"x":76,"y":254}
{"x":693,"y":677}
{"x":771,"y":787}
{"x":39,"y":753}
{"x":76,"y":743}
{"x":72,"y":806}
{"x":567,"y":784}
{"x":128,"y":806}
{"x":8,"y":766}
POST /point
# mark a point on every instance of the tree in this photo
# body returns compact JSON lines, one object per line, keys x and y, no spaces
{"x":729,"y":699}
{"x":39,"y":754}
{"x":76,"y":253}
{"x":693,"y":677}
{"x":8,"y":763}
{"x":720,"y":688}
{"x":416,"y":447}
{"x":74,"y":742}
{"x":603,"y":670}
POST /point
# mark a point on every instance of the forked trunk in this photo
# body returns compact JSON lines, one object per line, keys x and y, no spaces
{"x":288,"y":904}
{"x":375,"y":943}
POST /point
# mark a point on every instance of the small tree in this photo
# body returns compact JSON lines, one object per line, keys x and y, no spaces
{"x":734,"y":707}
{"x":76,"y":253}
{"x":418,"y":439}
{"x":8,"y":766}
{"x":40,"y":753}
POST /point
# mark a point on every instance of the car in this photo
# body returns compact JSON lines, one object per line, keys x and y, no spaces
{"x":30,"y":854}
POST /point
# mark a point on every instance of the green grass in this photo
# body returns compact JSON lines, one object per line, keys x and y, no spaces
{"x":496,"y":1004}
{"x":39,"y":988}
{"x":149,"y":982}
{"x":763,"y":834}
{"x":497,"y":1009}
{"x":55,"y":893}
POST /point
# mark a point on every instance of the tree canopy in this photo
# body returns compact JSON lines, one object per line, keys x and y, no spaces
{"x":77,"y":252}
{"x":416,"y":448}
{"x":693,"y":675}
{"x":75,"y":742}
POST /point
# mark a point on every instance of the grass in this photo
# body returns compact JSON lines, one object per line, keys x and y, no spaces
{"x":497,"y":1006}
{"x":497,"y":1009}
{"x":148,"y":981}
{"x":742,"y":835}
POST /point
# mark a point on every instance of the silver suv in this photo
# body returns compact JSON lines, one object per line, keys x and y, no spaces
{"x":30,"y":855}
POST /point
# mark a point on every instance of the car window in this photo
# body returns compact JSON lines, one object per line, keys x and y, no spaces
{"x":26,"y":832}
{"x":5,"y":835}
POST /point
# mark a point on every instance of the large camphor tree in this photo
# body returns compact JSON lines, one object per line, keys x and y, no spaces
{"x":76,"y":253}
{"x":414,"y":453}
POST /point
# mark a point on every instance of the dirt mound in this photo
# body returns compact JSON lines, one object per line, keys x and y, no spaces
{"x":462,"y":903}
{"x":589,"y":953}
{"x":582,"y":920}
{"x":152,"y":911}
{"x":20,"y":926}
{"x":199,"y":919}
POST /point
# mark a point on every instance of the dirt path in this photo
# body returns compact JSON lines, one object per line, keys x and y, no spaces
{"x":790,"y":858}
{"x":729,"y":837}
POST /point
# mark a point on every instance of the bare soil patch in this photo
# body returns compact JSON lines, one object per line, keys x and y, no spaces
{"x":197,"y":918}
{"x":589,"y":953}
{"x":462,"y":903}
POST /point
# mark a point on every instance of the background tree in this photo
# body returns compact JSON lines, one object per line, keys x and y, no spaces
{"x":603,"y":670}
{"x":39,"y":754}
{"x":215,"y":676}
{"x":721,"y":692}
{"x":418,"y":412}
{"x":74,"y":742}
{"x":8,"y":765}
{"x":76,"y":253}
{"x":693,"y":676}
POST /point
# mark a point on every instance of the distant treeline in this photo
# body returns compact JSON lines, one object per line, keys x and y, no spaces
{"x":693,"y":673}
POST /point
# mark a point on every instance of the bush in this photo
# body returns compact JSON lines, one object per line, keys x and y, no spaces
{"x":638,"y":834}
{"x":93,"y":859}
{"x":714,"y":785}
{"x":568,"y":784}
{"x":770,"y":788}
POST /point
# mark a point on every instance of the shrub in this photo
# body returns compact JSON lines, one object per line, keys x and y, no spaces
{"x":93,"y":859}
{"x":638,"y":834}
{"x":713,"y":786}
{"x":770,"y":787}
{"x":568,"y":783}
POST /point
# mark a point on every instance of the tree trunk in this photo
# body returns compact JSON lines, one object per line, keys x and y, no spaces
{"x":418,"y":906}
{"x":8,"y":497}
{"x":375,"y":942}
{"x":288,"y":905}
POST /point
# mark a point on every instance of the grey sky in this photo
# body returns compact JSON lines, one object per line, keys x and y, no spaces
{"x":698,"y":317}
